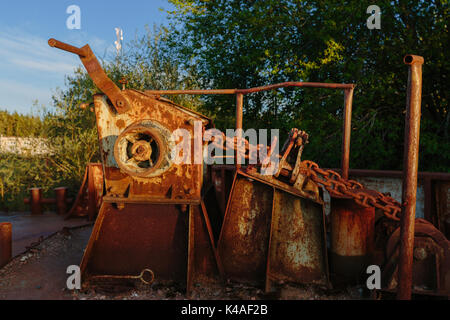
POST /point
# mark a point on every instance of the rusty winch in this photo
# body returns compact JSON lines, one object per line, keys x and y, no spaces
{"x":152,"y":216}
{"x":163,"y":217}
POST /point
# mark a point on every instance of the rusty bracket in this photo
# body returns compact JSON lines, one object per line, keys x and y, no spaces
{"x":96,"y":72}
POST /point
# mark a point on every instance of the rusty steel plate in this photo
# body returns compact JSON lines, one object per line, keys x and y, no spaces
{"x":127,"y":241}
{"x":271,"y":235}
{"x":202,"y":268}
{"x":244,"y":240}
{"x":297,"y":246}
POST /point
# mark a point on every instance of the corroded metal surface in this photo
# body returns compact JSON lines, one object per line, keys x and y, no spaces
{"x":36,"y":200}
{"x":181,"y":181}
{"x":5,"y":243}
{"x":140,"y":176}
{"x":272,"y":234}
{"x":127,"y":241}
{"x":152,"y":215}
{"x":203,"y":265}
{"x":431,"y":261}
{"x":89,"y":197}
{"x":410,"y":169}
{"x":352,"y":238}
{"x":120,"y":102}
{"x":244,"y":240}
{"x":297,"y":247}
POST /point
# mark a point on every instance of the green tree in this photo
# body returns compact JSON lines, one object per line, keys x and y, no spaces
{"x":236,"y":43}
{"x":18,"y":125}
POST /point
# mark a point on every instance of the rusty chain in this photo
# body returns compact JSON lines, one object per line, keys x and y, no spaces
{"x":339,"y":187}
{"x":329,"y":179}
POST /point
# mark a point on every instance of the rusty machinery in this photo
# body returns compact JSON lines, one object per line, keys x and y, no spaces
{"x":359,"y":219}
{"x":89,"y":198}
{"x":154,"y":217}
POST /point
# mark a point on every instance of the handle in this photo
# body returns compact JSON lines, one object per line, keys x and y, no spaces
{"x":82,"y":52}
{"x":96,"y":72}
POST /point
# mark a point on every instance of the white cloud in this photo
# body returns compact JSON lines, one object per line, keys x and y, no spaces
{"x":30,"y":69}
{"x":26,"y":51}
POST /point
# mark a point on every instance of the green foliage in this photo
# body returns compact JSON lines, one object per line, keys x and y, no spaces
{"x":244,"y":44}
{"x":17,"y":175}
{"x":17,"y":125}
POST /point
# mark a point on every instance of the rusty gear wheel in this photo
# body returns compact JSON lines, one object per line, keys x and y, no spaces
{"x":143,"y":149}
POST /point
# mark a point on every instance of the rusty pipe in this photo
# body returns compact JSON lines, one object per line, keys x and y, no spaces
{"x":410,"y":164}
{"x":61,"y":200}
{"x":352,"y":238}
{"x":36,"y":201}
{"x":239,"y":120}
{"x":342,"y":86}
{"x":347,"y":130}
{"x":5,"y":243}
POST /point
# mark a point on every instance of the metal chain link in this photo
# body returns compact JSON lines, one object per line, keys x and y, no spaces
{"x":339,"y":187}
{"x":329,"y":179}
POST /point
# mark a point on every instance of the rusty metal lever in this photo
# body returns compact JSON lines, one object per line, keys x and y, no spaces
{"x":82,"y":52}
{"x":96,"y":72}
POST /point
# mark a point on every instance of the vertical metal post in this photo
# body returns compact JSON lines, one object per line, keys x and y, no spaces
{"x":35,"y":201}
{"x":5,"y":243}
{"x":239,"y":116}
{"x":347,"y":130}
{"x":410,"y":169}
{"x":61,"y":200}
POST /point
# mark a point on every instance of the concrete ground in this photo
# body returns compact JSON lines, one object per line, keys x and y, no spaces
{"x":40,"y":272}
{"x":28,"y":229}
{"x":44,"y":246}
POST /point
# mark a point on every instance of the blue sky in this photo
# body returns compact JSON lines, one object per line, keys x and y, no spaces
{"x":30,"y":70}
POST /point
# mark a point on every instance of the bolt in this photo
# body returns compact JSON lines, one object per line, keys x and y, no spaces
{"x":420,"y":253}
{"x":124,"y":82}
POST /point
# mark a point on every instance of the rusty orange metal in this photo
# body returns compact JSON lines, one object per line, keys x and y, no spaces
{"x":163,"y":205}
{"x":139,"y":236}
{"x":36,"y":200}
{"x":5,"y":243}
{"x":152,"y":215}
{"x":352,"y":239}
{"x":244,"y":239}
{"x":272,"y":233}
{"x":410,"y":165}
{"x":431,"y":261}
{"x":89,"y":197}
{"x":297,"y":249}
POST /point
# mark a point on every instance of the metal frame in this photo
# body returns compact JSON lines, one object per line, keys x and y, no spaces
{"x":348,"y":101}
